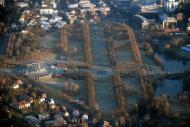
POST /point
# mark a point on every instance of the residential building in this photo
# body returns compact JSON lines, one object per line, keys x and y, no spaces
{"x":2,"y":2}
{"x":170,"y":24}
{"x":23,"y":104}
{"x":43,"y":116}
{"x":41,"y":95}
{"x":72,"y":4}
{"x":16,"y":84}
{"x":170,"y":5}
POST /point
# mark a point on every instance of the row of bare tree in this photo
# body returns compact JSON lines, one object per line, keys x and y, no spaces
{"x":88,"y":58}
{"x":23,"y":44}
{"x":116,"y":78}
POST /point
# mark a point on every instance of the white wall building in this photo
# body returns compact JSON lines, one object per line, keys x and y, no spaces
{"x":48,"y":11}
{"x":169,"y":23}
{"x":2,"y":2}
{"x":170,"y":5}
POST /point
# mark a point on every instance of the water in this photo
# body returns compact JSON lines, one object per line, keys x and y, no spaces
{"x":171,"y":87}
{"x":172,"y":64}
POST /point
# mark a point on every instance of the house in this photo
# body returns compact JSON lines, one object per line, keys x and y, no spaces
{"x":45,"y":25}
{"x":85,"y":4}
{"x":51,"y":103}
{"x":2,"y":2}
{"x":54,"y":4}
{"x":42,"y":99}
{"x":71,"y":17}
{"x":25,"y":32}
{"x":43,"y":116}
{"x":188,"y":26}
{"x":47,"y":11}
{"x":66,"y":114}
{"x":72,"y":4}
{"x":19,"y":81}
{"x":149,"y":8}
{"x":44,"y":5}
{"x":170,"y":25}
{"x":16,"y":84}
{"x":52,"y":106}
{"x":22,"y":4}
{"x":55,"y":19}
{"x":41,"y":95}
{"x":60,"y":24}
{"x":43,"y":18}
{"x":32,"y":22}
{"x":26,"y":11}
{"x":85,"y":117}
{"x":30,"y":99}
{"x":49,"y":4}
{"x":23,"y":104}
{"x":170,"y":5}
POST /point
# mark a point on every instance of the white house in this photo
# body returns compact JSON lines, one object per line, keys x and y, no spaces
{"x":85,"y":117}
{"x":169,"y":22}
{"x":42,"y":99}
{"x":42,"y":96}
{"x":2,"y":2}
{"x":170,"y":5}
{"x":73,"y":6}
{"x":48,"y":11}
{"x":23,"y":104}
{"x":22,"y":4}
{"x":54,"y":4}
{"x":16,"y":84}
{"x":51,"y":101}
{"x":43,"y":116}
